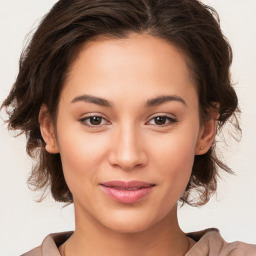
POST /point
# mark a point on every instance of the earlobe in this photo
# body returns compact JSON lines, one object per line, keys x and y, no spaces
{"x":206,"y":137}
{"x":47,"y":130}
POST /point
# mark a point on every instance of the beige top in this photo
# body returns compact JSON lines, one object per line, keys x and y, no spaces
{"x":209,"y":243}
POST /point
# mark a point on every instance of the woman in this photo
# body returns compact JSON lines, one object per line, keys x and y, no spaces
{"x":120,"y":102}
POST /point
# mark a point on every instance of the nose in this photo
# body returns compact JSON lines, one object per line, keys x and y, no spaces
{"x":128,"y":151}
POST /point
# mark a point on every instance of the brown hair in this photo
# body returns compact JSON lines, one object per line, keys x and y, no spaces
{"x":188,"y":24}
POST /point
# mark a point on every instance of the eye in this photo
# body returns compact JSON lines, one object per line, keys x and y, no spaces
{"x":162,"y":121}
{"x":94,"y":121}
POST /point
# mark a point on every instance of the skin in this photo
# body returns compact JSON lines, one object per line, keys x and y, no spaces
{"x":128,"y":143}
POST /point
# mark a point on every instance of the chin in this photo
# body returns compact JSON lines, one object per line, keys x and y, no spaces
{"x":129,"y":222}
{"x":128,"y":227}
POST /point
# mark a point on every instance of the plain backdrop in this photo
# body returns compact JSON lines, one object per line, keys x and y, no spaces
{"x":24,"y":222}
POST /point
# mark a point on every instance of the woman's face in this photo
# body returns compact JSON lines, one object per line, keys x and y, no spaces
{"x":128,"y":112}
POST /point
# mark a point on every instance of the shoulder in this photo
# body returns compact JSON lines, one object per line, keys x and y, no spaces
{"x":210,"y":242}
{"x":239,"y":249}
{"x":35,"y":252}
{"x":50,"y":245}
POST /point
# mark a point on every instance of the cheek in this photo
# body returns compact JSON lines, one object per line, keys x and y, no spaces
{"x":177,"y":166}
{"x":81,"y":154}
{"x":174,"y":159}
{"x":176,"y":178}
{"x":177,"y":150}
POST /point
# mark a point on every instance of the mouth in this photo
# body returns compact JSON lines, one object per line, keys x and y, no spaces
{"x":127,"y":192}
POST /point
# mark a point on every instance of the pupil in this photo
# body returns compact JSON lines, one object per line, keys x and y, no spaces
{"x":95,"y":120}
{"x":160,"y":120}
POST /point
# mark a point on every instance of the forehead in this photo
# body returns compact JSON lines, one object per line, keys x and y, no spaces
{"x":141,"y":63}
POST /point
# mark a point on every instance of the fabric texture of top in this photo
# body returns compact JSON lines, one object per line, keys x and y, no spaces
{"x":208,"y":243}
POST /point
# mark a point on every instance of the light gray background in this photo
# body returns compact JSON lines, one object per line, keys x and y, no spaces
{"x":24,"y":223}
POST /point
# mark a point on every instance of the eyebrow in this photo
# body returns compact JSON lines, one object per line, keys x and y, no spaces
{"x":150,"y":103}
{"x":163,"y":99}
{"x":92,"y":99}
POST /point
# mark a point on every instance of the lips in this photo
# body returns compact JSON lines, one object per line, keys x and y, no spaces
{"x":126,"y":192}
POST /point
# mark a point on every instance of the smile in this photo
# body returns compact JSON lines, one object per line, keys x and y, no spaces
{"x":127,"y":192}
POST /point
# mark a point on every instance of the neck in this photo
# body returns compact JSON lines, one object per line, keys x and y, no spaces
{"x":91,"y":238}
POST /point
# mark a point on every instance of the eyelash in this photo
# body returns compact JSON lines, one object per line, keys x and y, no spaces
{"x":83,"y":121}
{"x":171,"y":121}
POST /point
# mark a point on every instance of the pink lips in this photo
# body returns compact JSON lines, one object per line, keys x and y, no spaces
{"x":126,"y":192}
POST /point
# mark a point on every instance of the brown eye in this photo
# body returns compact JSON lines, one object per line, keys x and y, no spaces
{"x":162,"y":121}
{"x":95,"y":120}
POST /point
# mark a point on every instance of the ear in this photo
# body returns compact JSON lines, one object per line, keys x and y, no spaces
{"x":207,"y":134}
{"x":47,"y":130}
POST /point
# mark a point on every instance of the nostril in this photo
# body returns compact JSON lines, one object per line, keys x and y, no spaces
{"x":127,"y":151}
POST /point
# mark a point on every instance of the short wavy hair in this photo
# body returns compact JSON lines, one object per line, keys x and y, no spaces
{"x":44,"y":66}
